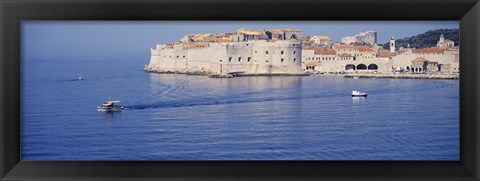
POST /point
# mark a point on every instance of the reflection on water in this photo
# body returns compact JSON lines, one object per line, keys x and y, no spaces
{"x":357,"y":100}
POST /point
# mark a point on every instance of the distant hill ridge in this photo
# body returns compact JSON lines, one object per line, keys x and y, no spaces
{"x":427,"y":39}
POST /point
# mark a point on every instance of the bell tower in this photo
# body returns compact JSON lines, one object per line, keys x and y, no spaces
{"x":392,"y":45}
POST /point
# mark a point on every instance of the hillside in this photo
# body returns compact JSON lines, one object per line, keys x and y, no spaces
{"x":427,"y":39}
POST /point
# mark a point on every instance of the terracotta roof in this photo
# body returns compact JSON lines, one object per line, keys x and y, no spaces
{"x":429,"y":50}
{"x":199,"y":37}
{"x":314,"y":63}
{"x":251,"y":32}
{"x":309,"y":48}
{"x":325,"y":51}
{"x":446,"y":65}
{"x":385,"y":54}
{"x":419,"y":59}
{"x":364,"y":49}
{"x":344,"y":47}
{"x":225,"y":39}
{"x":345,"y":55}
{"x":447,"y":40}
{"x":321,"y":37}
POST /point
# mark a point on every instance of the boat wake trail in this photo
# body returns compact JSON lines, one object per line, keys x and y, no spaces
{"x":216,"y":101}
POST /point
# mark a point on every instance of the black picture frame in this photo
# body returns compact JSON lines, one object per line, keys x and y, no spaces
{"x":14,"y":11}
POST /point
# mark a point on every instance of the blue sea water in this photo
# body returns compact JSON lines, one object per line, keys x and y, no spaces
{"x":185,"y":117}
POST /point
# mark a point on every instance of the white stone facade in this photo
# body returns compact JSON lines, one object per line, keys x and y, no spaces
{"x":249,"y":57}
{"x":403,"y":61}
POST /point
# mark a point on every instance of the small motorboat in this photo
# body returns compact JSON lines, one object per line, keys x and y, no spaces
{"x":355,"y":77}
{"x":81,"y":78}
{"x":109,"y":106}
{"x":358,"y":94}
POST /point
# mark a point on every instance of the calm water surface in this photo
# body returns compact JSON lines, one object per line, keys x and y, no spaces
{"x":182,"y":117}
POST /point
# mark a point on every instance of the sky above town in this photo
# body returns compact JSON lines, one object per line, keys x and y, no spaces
{"x":132,"y":40}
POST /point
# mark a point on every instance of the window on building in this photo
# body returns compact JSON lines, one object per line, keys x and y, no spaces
{"x":281,"y":60}
{"x":239,"y":59}
{"x":248,"y":59}
{"x":294,"y":59}
{"x":294,"y":52}
{"x":266,"y":52}
{"x":229,"y":59}
{"x":281,"y":52}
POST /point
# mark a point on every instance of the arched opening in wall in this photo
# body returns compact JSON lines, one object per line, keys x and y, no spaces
{"x":361,"y":66}
{"x":293,"y":36}
{"x":350,"y":67}
{"x":419,"y":69}
{"x":408,"y":68}
{"x":372,"y":67}
{"x":269,"y":34}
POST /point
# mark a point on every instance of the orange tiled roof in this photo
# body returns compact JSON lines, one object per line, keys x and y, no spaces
{"x":325,"y":51}
{"x":321,"y":37}
{"x":314,"y":63}
{"x":345,"y":55}
{"x":385,"y":54}
{"x":446,"y":65}
{"x":429,"y":50}
{"x":344,"y":47}
{"x":364,"y":49}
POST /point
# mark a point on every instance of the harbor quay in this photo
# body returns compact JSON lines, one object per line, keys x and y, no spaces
{"x":403,"y":76}
{"x":287,"y":52}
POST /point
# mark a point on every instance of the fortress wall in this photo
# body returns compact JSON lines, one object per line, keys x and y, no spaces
{"x":230,"y":57}
{"x":283,"y":57}
{"x":168,"y":59}
{"x":199,"y":59}
{"x":271,"y":62}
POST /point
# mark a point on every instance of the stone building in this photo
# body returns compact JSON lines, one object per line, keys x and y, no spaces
{"x":442,"y":55}
{"x":321,"y":40}
{"x":251,"y":55}
{"x":286,"y":33}
{"x":443,"y":42}
{"x":422,"y":65}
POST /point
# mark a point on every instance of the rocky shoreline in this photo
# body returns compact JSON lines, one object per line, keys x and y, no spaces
{"x":205,"y":73}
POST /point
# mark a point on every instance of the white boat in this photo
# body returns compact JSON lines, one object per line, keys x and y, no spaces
{"x":356,"y":77}
{"x":109,"y":106}
{"x":358,"y":94}
{"x":81,"y":78}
